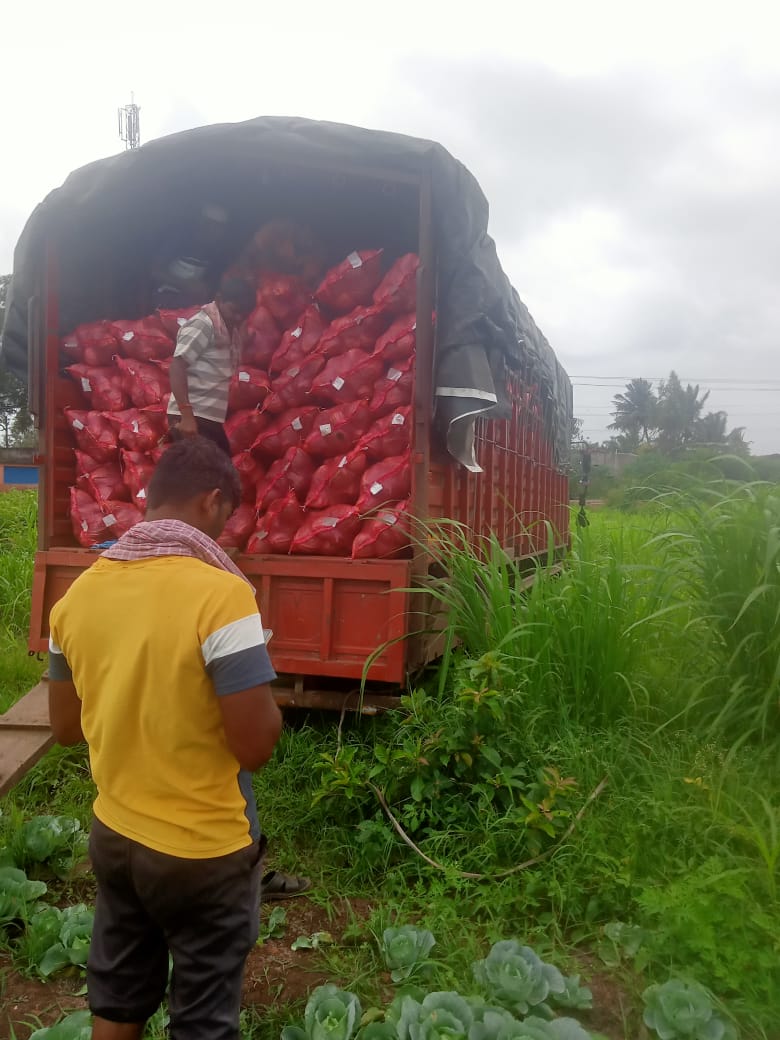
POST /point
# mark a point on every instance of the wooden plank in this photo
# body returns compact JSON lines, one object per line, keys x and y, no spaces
{"x":25,"y":736}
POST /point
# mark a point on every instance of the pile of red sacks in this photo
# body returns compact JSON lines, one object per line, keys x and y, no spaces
{"x":319,"y":418}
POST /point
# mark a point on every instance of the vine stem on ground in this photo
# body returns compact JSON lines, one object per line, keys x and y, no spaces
{"x":503,"y":873}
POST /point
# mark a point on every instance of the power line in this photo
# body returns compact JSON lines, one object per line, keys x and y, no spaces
{"x":693,"y":379}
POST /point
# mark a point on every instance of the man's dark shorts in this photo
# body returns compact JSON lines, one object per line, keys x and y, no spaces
{"x":206,"y":912}
{"x":214,"y":431}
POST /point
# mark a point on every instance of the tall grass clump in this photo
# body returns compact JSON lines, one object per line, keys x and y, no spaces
{"x":18,"y":516}
{"x":578,"y":645}
{"x":728,"y":545}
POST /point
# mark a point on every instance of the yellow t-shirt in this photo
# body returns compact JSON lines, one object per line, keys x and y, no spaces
{"x":151,"y":644}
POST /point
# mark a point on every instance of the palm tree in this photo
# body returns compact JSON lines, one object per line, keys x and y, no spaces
{"x":635,"y":411}
{"x":679,"y":410}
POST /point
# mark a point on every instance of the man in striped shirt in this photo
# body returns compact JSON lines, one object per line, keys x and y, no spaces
{"x":204,"y":363}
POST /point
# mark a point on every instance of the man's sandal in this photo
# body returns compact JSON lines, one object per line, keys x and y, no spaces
{"x":276,"y":885}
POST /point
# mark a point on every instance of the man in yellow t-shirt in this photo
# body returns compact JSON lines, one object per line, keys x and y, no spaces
{"x":158,"y":660}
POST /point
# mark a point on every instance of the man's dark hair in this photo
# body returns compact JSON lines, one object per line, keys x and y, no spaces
{"x":237,"y":292}
{"x":192,"y":466}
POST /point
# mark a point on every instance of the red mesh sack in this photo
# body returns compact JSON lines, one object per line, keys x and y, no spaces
{"x":293,"y":386}
{"x":337,"y":481}
{"x":242,"y":429}
{"x":277,"y":526}
{"x":284,"y":295}
{"x":337,"y":430}
{"x":248,"y":388}
{"x":300,"y":341}
{"x":384,"y":536}
{"x":147,"y":383}
{"x":394,"y":390}
{"x":329,"y":532}
{"x":138,"y":429}
{"x":239,"y":527}
{"x":351,"y":283}
{"x":293,"y":472}
{"x":143,"y":339}
{"x":390,"y":435}
{"x":71,"y":351}
{"x":104,"y":482}
{"x":172,"y":320}
{"x":347,"y":377}
{"x":400,"y":340}
{"x":385,"y":481}
{"x":104,"y":386}
{"x":137,"y":470}
{"x":358,"y":330}
{"x":259,"y":339}
{"x":120,"y":517}
{"x":291,"y":428}
{"x":85,"y":463}
{"x":397,"y":292}
{"x":251,"y":473}
{"x":87,"y":519}
{"x":98,"y":343}
{"x":94,"y":434}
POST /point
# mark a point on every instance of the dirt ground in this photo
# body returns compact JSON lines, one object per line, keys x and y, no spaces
{"x":275,"y":975}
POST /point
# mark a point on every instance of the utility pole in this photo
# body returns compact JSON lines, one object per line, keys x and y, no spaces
{"x":130,"y":124}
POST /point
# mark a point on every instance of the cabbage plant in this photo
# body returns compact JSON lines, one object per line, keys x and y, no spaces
{"x":18,"y":895}
{"x":440,"y":1016}
{"x":516,"y":978}
{"x":405,"y":949}
{"x":574,"y":995}
{"x":680,"y":1010}
{"x":77,"y":1026}
{"x":331,"y":1014}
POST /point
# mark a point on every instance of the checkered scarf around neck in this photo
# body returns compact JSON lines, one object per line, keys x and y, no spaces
{"x":151,"y":538}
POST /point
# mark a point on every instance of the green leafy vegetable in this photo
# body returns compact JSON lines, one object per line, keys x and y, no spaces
{"x":313,"y":941}
{"x":405,"y":949}
{"x":77,"y":1026}
{"x":17,"y":894}
{"x":57,"y":841}
{"x":440,"y":1016}
{"x":574,"y":995}
{"x":680,"y":1010}
{"x":516,"y":978}
{"x":331,"y":1014}
{"x":56,"y":939}
{"x":275,"y":927}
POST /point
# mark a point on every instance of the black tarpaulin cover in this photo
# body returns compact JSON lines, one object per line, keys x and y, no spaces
{"x":483,"y":329}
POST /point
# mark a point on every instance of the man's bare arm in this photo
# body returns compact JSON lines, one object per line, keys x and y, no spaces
{"x":252,"y":724}
{"x":65,"y":712}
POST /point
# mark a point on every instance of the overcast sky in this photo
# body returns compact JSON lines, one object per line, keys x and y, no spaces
{"x":630,"y":151}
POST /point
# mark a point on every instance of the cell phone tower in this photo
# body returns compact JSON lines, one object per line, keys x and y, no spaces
{"x":130,"y":124}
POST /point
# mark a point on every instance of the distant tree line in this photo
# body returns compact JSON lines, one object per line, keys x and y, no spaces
{"x":670,"y":419}
{"x":16,"y":425}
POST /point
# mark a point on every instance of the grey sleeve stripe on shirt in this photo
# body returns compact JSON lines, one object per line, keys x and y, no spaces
{"x":59,"y":669}
{"x":194,"y":338}
{"x":241,"y":670}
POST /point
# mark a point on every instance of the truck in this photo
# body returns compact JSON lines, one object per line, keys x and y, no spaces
{"x":491,"y":409}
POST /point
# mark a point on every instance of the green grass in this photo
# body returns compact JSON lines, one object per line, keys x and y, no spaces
{"x":649,"y":661}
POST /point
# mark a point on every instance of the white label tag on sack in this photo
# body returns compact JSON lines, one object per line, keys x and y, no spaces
{"x":376,"y":487}
{"x":86,"y":386}
{"x":296,"y":333}
{"x":354,"y":259}
{"x":326,"y":429}
{"x":293,"y":372}
{"x":397,"y":420}
{"x":329,"y":521}
{"x":337,"y":383}
{"x":182,"y":321}
{"x":388,"y":518}
{"x":78,"y":424}
{"x":414,"y":327}
{"x":128,"y":336}
{"x":84,"y":525}
{"x":296,"y":424}
{"x":109,"y":519}
{"x":135,"y":427}
{"x":343,"y":463}
{"x":394,"y":374}
{"x":141,"y":494}
{"x":243,"y":377}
